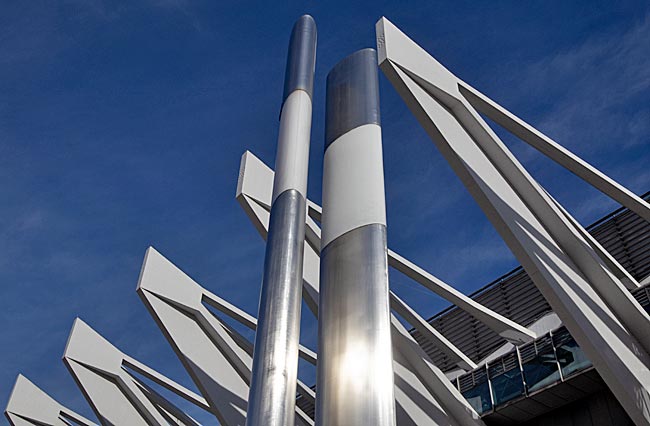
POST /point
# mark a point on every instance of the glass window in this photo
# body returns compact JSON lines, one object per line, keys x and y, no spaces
{"x":479,"y":398}
{"x":505,"y":377}
{"x":569,"y":355}
{"x":475,"y":388}
{"x":539,"y":364}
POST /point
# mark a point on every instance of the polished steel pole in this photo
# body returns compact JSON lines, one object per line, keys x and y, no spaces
{"x":272,"y":395}
{"x":355,"y":362}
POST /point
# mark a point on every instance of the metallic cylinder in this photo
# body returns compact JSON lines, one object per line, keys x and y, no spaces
{"x":355,"y":362}
{"x":272,"y":394}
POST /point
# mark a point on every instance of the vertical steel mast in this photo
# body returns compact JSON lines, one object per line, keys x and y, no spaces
{"x":271,"y":400}
{"x":355,"y":362}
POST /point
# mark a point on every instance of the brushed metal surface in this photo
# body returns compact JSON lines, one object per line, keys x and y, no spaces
{"x":272,"y":399}
{"x":352,"y":94}
{"x":301,"y":60}
{"x":355,"y":370}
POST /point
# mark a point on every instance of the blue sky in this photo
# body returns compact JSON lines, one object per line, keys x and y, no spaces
{"x":122,"y":125}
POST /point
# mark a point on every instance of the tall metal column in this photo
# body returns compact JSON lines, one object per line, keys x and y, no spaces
{"x":355,"y":362}
{"x":271,"y":400}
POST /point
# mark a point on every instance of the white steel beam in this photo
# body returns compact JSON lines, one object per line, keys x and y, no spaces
{"x":506,"y":328}
{"x":410,"y":392}
{"x":455,"y":406}
{"x":555,"y":151}
{"x":217,"y":358}
{"x":414,"y":404}
{"x":430,"y":333}
{"x":606,"y":321}
{"x":117,"y":396}
{"x":612,"y":264}
{"x":440,"y":89}
{"x":254,"y":194}
{"x":30,"y":406}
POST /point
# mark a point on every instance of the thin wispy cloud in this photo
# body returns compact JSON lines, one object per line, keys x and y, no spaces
{"x":593,"y":83}
{"x":122,"y":125}
{"x":591,"y":97}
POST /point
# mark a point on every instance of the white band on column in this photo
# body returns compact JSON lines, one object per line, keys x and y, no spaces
{"x":292,"y":158}
{"x":353,"y":195}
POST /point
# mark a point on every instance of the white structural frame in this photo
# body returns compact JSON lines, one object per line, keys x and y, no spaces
{"x":30,"y":406}
{"x":416,"y":377}
{"x":105,"y":376}
{"x":586,"y":287}
{"x":593,"y":303}
{"x":253,"y":194}
{"x":216,"y":356}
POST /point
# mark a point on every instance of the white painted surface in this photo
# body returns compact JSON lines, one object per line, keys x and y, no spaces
{"x":28,"y":401}
{"x":457,"y":409}
{"x":406,"y":61}
{"x":415,"y":406}
{"x":430,"y":333}
{"x":217,"y":359}
{"x":353,"y":182}
{"x":115,"y":395}
{"x":255,"y":192}
{"x":555,"y":151}
{"x":252,"y":197}
{"x":505,"y":327}
{"x":292,"y":158}
{"x":255,"y":180}
{"x":555,"y":256}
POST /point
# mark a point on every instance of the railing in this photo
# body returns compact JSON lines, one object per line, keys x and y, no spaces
{"x":622,"y":233}
{"x":551,"y":358}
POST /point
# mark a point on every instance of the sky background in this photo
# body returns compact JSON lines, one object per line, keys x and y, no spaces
{"x":122,"y":125}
